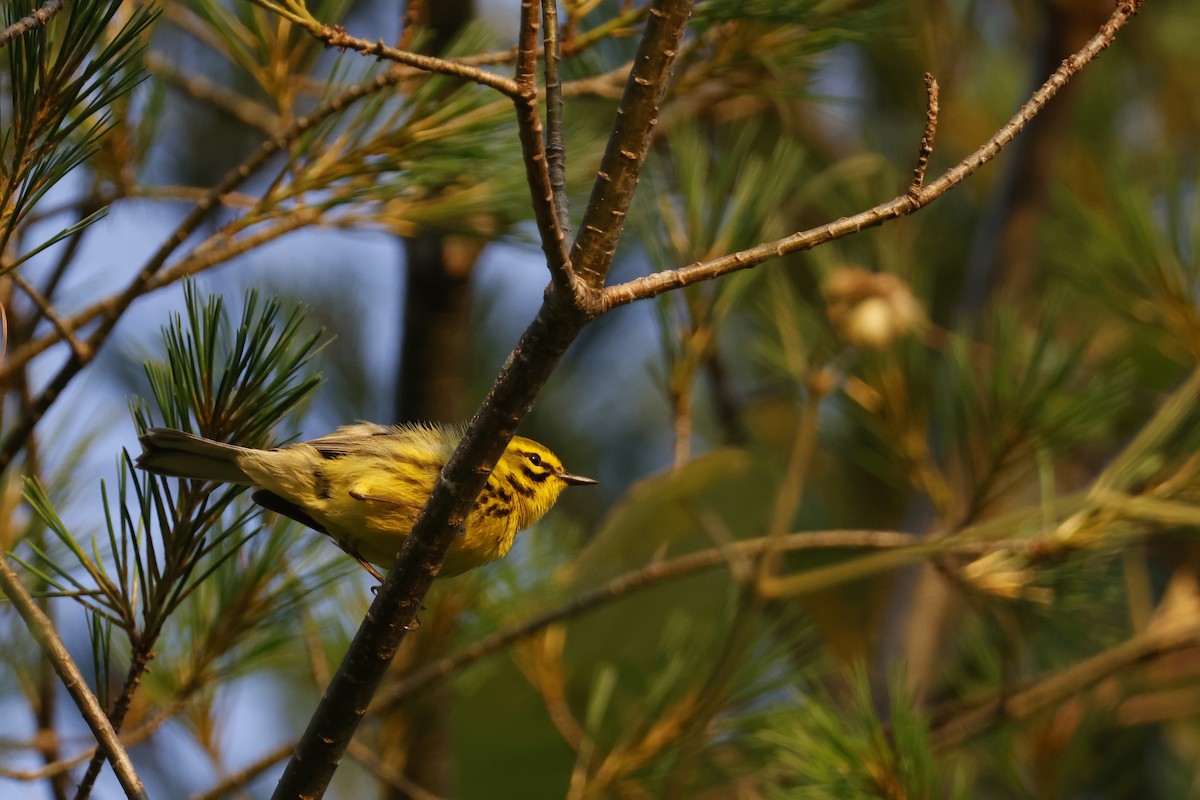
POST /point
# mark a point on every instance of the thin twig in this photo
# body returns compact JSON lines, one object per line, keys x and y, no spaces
{"x":47,"y":310}
{"x":668,"y":280}
{"x":556,"y":151}
{"x":931,"y":121}
{"x":387,"y":774}
{"x":594,"y":247}
{"x":237,"y":107}
{"x":37,"y":19}
{"x":656,"y":573}
{"x":242,"y":777}
{"x":89,"y":707}
{"x":537,"y":166}
{"x":116,"y":717}
{"x":335,"y":36}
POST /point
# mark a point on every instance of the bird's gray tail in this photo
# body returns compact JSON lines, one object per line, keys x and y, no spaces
{"x":182,"y":455}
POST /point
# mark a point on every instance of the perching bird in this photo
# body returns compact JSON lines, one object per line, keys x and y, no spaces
{"x":364,"y":485}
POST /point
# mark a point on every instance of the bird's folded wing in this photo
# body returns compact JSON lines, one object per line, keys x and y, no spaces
{"x":273,"y":502}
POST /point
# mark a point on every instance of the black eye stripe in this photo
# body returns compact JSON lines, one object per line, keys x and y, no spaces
{"x":536,"y":477}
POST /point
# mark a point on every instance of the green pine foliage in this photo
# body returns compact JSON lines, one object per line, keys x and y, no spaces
{"x":909,"y":514}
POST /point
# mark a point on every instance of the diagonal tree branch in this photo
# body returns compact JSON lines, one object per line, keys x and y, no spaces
{"x":89,"y":707}
{"x":531,"y":363}
{"x":37,"y":19}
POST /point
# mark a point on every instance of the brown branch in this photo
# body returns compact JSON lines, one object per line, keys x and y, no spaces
{"x":556,"y":152}
{"x":931,"y":120}
{"x":89,"y":707}
{"x":653,"y":285}
{"x":336,"y":36}
{"x":37,"y":19}
{"x":242,"y":777}
{"x":387,"y":774}
{"x":529,"y":366}
{"x":116,"y":717}
{"x":47,"y":311}
{"x":537,"y":167}
{"x":612,"y":193}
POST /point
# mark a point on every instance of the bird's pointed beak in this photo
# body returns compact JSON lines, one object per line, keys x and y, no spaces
{"x":576,"y":480}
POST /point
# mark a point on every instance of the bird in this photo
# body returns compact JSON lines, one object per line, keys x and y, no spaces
{"x":364,"y":485}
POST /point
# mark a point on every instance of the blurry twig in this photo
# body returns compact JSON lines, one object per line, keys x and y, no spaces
{"x":239,"y":779}
{"x":387,"y":774}
{"x":74,"y":681}
{"x":234,"y":105}
{"x":46,"y":310}
{"x":680,"y":567}
{"x":956,"y":727}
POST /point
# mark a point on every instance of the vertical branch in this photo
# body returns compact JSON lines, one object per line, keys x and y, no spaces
{"x":556,"y":151}
{"x":89,"y":707}
{"x":931,"y":120}
{"x":533,"y":148}
{"x":612,"y":193}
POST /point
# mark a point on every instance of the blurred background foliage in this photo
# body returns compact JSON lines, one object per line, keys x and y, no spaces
{"x":908,"y":515}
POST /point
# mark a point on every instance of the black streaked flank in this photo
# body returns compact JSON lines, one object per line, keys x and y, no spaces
{"x":518,"y":487}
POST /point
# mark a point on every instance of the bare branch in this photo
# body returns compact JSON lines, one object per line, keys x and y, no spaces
{"x":656,"y":284}
{"x":242,"y":777}
{"x":537,"y":168}
{"x":37,"y":19}
{"x":556,"y":153}
{"x":637,"y":115}
{"x":336,"y":36}
{"x":89,"y":707}
{"x":46,"y":310}
{"x":931,"y":120}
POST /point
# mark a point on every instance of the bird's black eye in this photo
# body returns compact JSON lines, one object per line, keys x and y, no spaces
{"x":535,"y":459}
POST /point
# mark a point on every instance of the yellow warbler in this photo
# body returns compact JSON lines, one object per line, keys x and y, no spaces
{"x":364,"y":485}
